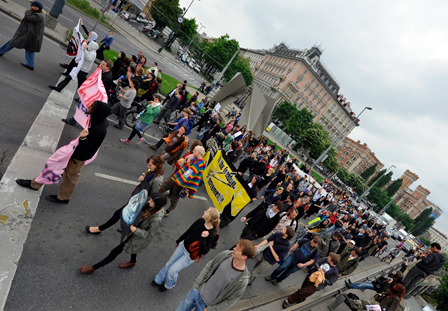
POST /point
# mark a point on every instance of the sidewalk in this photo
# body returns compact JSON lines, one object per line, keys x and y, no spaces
{"x":17,"y":11}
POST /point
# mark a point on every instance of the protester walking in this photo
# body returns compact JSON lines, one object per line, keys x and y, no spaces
{"x":125,"y":103}
{"x":141,"y":232}
{"x":186,"y":180}
{"x":89,"y":142}
{"x":29,"y":35}
{"x":192,"y":245}
{"x":222,"y":282}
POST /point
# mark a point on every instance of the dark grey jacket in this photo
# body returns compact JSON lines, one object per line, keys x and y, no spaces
{"x":30,"y":34}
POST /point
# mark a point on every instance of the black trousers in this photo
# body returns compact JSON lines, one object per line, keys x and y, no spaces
{"x":117,"y":250}
{"x":82,"y":76}
{"x":134,"y":132}
{"x":414,"y":276}
{"x":71,"y":65}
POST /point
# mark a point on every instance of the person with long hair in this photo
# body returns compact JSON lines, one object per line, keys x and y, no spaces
{"x":150,"y":181}
{"x":192,"y":245}
{"x":175,"y":141}
{"x":176,"y":163}
{"x":380,"y":285}
{"x":140,"y":235}
{"x":125,"y":103}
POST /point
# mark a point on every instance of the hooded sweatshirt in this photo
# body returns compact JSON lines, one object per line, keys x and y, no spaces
{"x":89,"y":56}
{"x":90,"y":144}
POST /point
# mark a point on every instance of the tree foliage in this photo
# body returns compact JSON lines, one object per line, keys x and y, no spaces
{"x":343,"y":175}
{"x":377,"y":176}
{"x":423,"y":222}
{"x":394,"y":187}
{"x":295,"y":122}
{"x":357,"y":183}
{"x":219,"y":52}
{"x":384,"y":180}
{"x":316,"y":139}
{"x":242,"y":65}
{"x":331,"y":163}
{"x":440,"y":294}
{"x":165,"y":12}
{"x":187,"y":30}
{"x":369,"y":171}
{"x":426,"y":241}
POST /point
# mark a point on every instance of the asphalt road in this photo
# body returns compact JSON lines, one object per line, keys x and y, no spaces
{"x":23,"y":92}
{"x":70,"y":18}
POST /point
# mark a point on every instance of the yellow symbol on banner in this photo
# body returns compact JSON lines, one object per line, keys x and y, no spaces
{"x":223,"y":187}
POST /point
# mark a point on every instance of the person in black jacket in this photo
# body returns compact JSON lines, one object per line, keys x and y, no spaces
{"x":168,"y":108}
{"x":327,"y":265}
{"x":279,"y":178}
{"x":429,"y":264}
{"x":261,"y":221}
{"x":118,"y":64}
{"x":247,"y":163}
{"x":89,"y":142}
{"x":193,"y":244}
{"x":260,"y":167}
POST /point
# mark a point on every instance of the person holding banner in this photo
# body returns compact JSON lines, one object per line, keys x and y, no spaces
{"x":83,"y":68}
{"x":146,"y":223}
{"x":90,"y":141}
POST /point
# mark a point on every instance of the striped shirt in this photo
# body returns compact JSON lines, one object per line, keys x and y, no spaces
{"x":190,"y":175}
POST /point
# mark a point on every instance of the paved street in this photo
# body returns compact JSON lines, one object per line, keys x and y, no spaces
{"x":47,"y":276}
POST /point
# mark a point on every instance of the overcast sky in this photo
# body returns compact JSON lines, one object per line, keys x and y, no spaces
{"x":389,"y":55}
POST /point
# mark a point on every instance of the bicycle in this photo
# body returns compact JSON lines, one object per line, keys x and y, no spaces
{"x":133,"y":112}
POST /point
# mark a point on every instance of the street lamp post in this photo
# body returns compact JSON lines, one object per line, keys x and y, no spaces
{"x":367,"y":191}
{"x":180,"y":20}
{"x":189,"y":44}
{"x":335,"y":141}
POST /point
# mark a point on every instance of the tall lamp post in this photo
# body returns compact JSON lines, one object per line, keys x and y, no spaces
{"x":335,"y":141}
{"x":367,"y":191}
{"x":180,"y":20}
{"x":199,"y":31}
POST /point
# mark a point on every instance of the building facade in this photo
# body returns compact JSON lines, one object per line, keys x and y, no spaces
{"x":300,"y":77}
{"x":255,"y":57}
{"x":357,"y":157}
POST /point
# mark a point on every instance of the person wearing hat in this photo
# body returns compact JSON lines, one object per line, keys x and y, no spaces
{"x":348,"y":247}
{"x":29,"y":35}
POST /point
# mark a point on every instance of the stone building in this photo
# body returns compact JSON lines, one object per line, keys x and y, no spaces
{"x":357,"y":157}
{"x":413,"y":202}
{"x":255,"y":57}
{"x":300,"y":77}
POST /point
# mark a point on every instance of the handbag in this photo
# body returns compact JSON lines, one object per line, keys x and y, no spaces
{"x":195,"y":251}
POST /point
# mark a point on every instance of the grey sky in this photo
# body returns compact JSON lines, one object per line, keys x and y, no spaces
{"x":390,"y":55}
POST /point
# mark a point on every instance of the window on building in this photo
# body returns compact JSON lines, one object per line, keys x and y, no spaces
{"x":353,"y":158}
{"x":305,"y":72}
{"x":345,"y":153}
{"x":348,"y":163}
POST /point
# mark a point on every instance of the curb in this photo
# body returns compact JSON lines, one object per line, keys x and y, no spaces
{"x":46,"y":34}
{"x":257,"y":301}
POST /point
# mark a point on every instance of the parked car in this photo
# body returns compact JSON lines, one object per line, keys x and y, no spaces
{"x":197,"y":68}
{"x":141,"y":20}
{"x":124,"y":15}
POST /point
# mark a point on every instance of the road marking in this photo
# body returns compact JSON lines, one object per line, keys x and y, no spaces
{"x":135,"y":183}
{"x":18,"y":205}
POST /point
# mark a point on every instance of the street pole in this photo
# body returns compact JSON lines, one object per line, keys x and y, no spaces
{"x":335,"y":141}
{"x":180,"y":20}
{"x":367,"y":191}
{"x":224,"y":70}
{"x":386,"y":207}
{"x":102,"y":14}
{"x":189,"y":44}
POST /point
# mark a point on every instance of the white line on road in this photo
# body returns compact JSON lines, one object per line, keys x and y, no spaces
{"x":135,"y":183}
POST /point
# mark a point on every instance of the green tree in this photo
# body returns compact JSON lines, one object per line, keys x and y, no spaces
{"x":331,"y":163}
{"x":219,"y":52}
{"x":357,"y":183}
{"x":298,"y":122}
{"x":242,"y":65}
{"x":316,"y":139}
{"x":377,"y":176}
{"x":424,"y":221}
{"x":369,"y":172}
{"x":165,"y":12}
{"x":440,"y":294}
{"x":187,"y":30}
{"x":394,"y":211}
{"x":379,"y":197}
{"x":427,"y":242}
{"x":283,"y":112}
{"x":384,"y":180}
{"x":394,"y":187}
{"x":344,"y":175}
{"x":408,"y":222}
{"x":445,"y":265}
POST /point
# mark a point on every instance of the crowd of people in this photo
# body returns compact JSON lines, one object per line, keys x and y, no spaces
{"x":300,"y":224}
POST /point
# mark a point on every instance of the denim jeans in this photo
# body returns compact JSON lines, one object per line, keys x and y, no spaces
{"x":192,"y":300}
{"x":285,"y":269}
{"x":363,"y":285}
{"x":28,"y":55}
{"x":178,"y":261}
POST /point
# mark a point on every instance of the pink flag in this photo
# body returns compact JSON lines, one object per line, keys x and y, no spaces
{"x":92,"y":89}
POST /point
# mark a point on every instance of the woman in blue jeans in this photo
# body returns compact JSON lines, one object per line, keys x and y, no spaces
{"x":380,"y":285}
{"x":193,"y":244}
